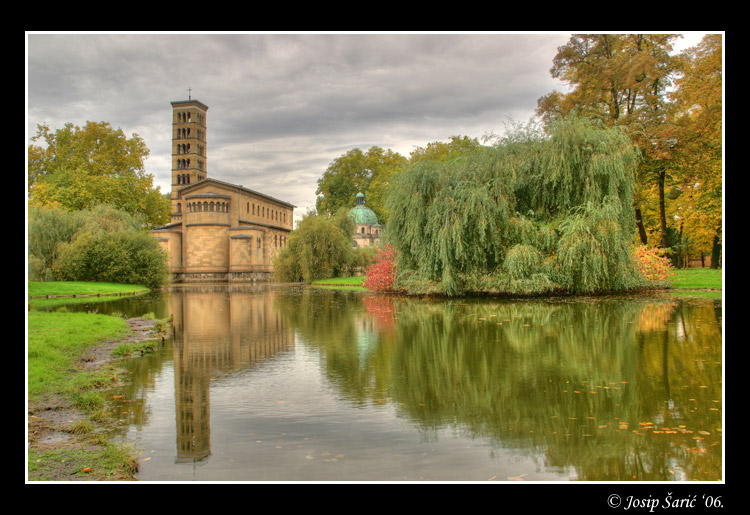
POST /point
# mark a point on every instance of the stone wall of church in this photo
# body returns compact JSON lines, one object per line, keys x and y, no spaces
{"x":247,"y":250}
{"x":205,"y":232}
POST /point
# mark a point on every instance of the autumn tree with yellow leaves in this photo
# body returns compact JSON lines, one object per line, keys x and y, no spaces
{"x":80,"y":167}
{"x":670,"y":106}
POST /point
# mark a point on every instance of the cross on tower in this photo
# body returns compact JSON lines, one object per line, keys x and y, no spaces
{"x":189,"y":91}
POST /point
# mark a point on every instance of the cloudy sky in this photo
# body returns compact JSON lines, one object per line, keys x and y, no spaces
{"x":282,"y":107}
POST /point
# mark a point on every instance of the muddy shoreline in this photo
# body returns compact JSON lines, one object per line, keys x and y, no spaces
{"x":51,"y":420}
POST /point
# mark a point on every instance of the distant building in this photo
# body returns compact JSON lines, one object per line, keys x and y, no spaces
{"x":218,"y":231}
{"x":368,"y":231}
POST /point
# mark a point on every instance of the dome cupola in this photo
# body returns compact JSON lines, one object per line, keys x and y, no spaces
{"x":361,"y":214}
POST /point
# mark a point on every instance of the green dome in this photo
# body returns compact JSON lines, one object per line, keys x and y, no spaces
{"x":361,"y":214}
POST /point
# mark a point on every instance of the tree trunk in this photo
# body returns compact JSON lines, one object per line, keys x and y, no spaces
{"x":716,"y":251}
{"x":641,"y":228}
{"x":662,"y":211}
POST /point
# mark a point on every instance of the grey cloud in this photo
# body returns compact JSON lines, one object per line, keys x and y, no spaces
{"x":327,"y":93}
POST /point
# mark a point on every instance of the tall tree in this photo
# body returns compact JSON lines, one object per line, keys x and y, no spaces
{"x":622,"y":79}
{"x":698,"y":126}
{"x":355,"y":172}
{"x":441,"y":151}
{"x":80,"y":167}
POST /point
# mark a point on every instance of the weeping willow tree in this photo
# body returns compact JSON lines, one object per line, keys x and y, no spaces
{"x":535,"y":212}
{"x":449,"y":219}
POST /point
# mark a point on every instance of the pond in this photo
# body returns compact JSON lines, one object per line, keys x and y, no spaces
{"x":290,"y":383}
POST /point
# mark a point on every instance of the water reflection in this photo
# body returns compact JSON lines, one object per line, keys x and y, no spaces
{"x":612,"y":389}
{"x":218,"y":330}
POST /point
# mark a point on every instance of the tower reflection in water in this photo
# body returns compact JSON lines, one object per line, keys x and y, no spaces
{"x":219,"y":329}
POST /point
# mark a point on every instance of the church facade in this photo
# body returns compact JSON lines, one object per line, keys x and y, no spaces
{"x":218,"y":231}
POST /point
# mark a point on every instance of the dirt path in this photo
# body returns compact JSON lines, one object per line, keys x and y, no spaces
{"x":51,"y":420}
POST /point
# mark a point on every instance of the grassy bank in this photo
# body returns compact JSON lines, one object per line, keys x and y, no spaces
{"x":56,"y":341}
{"x":696,"y":279}
{"x":68,"y":370}
{"x":692,"y":279}
{"x":70,"y":288}
{"x":342,"y":283}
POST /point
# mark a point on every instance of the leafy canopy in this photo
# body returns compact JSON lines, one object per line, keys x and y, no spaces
{"x":536,"y":211}
{"x":79,"y":167}
{"x":320,"y":247}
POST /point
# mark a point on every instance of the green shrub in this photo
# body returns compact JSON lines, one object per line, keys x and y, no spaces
{"x":127,"y":257}
{"x":97,"y":244}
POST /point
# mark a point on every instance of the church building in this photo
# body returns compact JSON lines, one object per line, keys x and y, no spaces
{"x":218,"y":231}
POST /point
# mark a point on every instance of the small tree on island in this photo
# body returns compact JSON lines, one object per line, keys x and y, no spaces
{"x":320,"y":247}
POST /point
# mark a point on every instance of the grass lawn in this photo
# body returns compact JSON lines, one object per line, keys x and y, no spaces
{"x":37,"y":288}
{"x":346,"y":281}
{"x":342,"y":283}
{"x":57,"y":340}
{"x":696,"y":279}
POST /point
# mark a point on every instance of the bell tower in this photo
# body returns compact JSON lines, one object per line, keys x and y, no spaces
{"x":188,"y":145}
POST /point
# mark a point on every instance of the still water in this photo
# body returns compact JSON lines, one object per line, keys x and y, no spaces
{"x":287,"y":383}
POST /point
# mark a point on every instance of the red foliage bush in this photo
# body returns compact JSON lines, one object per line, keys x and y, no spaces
{"x":382,"y":273}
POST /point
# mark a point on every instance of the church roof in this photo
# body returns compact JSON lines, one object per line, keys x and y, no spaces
{"x":190,"y":187}
{"x":361,"y":214}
